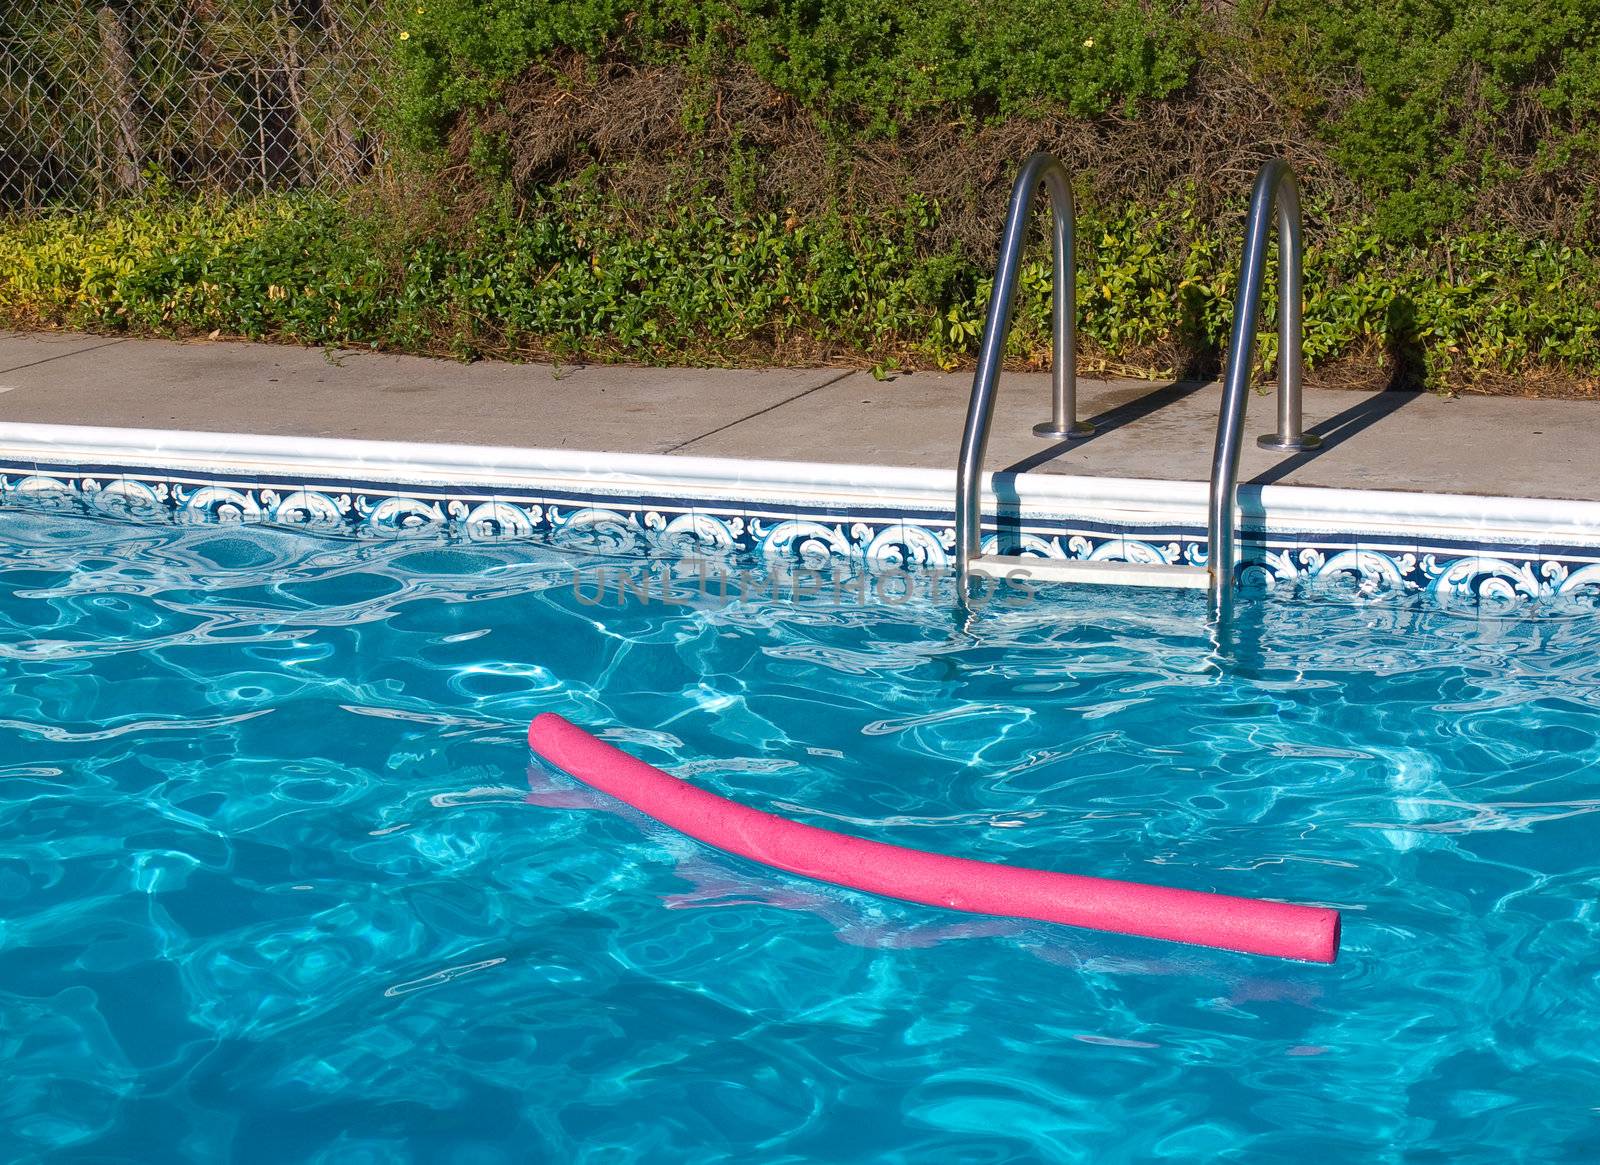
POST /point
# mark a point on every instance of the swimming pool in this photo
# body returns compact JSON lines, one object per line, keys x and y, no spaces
{"x":280,"y":883}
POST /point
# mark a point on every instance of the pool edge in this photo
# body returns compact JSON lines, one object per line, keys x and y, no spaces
{"x":1378,"y":542}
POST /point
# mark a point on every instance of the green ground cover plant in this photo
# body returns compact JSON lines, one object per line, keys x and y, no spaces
{"x":575,"y":280}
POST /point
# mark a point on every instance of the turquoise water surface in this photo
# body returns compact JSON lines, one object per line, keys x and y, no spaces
{"x":279,"y":883}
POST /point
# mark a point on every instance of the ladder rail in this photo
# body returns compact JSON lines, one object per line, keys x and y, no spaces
{"x":1276,"y":195}
{"x":1039,"y":168}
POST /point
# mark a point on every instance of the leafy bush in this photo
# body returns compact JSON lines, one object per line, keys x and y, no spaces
{"x":1434,"y":111}
{"x":864,"y":65}
{"x":1453,"y":95}
{"x":572,"y":278}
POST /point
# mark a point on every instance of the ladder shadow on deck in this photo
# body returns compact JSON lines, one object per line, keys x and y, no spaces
{"x":1369,"y":409}
{"x":1008,"y":515}
{"x":1114,"y":418}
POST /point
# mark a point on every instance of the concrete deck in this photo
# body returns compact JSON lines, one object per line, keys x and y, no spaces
{"x":1407,"y":441}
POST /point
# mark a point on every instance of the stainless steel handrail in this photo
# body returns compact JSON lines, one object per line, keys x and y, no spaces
{"x":1275,"y":189}
{"x":1063,"y":423}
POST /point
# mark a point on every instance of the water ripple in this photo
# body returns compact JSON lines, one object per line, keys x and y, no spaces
{"x":440,"y":978}
{"x":190,"y":724}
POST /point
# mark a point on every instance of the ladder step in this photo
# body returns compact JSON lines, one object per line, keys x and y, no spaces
{"x":1104,"y":571}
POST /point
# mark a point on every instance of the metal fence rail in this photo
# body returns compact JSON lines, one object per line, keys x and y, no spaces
{"x":98,"y":98}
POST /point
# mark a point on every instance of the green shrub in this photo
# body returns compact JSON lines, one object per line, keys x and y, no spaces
{"x":572,"y":278}
{"x":1422,"y":106}
{"x":863,"y":65}
{"x":1454,"y":95}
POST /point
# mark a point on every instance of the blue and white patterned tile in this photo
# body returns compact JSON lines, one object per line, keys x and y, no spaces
{"x":1305,"y":554}
{"x":711,"y":532}
{"x":12,"y":474}
{"x":1490,"y":584}
{"x":221,"y":503}
{"x":393,"y":513}
{"x":313,"y":507}
{"x":1036,"y":538}
{"x":1529,"y":588}
{"x":1353,"y":575}
{"x":1261,"y":560}
{"x":603,"y":525}
{"x":1488,"y":579}
{"x":1169,"y":547}
{"x":918,"y":543}
{"x":1569,"y":581}
{"x":504,"y":516}
{"x":134,"y":498}
{"x":813,"y":538}
{"x":1389,"y":564}
{"x":55,"y":492}
{"x":1122,"y":545}
{"x":1039,"y":542}
{"x":1574,"y":586}
{"x":765,"y":523}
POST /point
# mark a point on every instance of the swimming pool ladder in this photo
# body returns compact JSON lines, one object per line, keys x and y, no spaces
{"x":1275,"y":190}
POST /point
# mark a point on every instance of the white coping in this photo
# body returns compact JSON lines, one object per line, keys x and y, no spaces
{"x":740,"y":481}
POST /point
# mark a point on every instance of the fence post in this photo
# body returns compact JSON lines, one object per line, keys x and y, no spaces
{"x":116,"y":60}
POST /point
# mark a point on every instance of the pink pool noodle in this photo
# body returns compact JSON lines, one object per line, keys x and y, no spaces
{"x":1188,"y":916}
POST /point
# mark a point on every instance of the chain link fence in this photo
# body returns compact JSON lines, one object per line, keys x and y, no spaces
{"x":100,"y":98}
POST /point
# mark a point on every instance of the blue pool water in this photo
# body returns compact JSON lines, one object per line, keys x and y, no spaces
{"x":279,"y":883}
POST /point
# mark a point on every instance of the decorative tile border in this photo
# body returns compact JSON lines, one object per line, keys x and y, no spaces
{"x":1488,"y":555}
